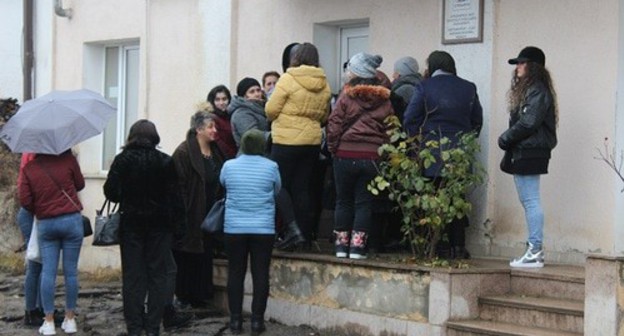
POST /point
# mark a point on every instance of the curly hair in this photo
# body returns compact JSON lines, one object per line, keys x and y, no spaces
{"x":535,"y":73}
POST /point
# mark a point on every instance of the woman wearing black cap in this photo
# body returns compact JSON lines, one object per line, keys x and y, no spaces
{"x":528,"y":143}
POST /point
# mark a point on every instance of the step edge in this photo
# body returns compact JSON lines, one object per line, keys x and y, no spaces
{"x":461,"y":326}
{"x":575,"y":279}
{"x":510,"y":302}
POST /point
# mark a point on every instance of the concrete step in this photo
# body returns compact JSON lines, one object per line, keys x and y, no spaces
{"x":557,"y":314}
{"x":480,"y":327}
{"x":552,"y":281}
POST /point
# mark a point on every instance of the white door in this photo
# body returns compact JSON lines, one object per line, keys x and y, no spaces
{"x":352,"y":41}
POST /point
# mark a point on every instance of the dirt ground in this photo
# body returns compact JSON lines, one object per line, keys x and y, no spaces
{"x":100,"y":313}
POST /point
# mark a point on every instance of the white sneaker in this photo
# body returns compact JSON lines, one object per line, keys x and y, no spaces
{"x":530,"y":259}
{"x":69,"y":326}
{"x":47,"y":328}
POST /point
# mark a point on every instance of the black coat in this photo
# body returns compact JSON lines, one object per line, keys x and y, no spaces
{"x":532,"y":126}
{"x":144,"y":181}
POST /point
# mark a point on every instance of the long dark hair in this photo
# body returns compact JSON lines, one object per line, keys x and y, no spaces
{"x":212,"y":95}
{"x":535,"y":73}
{"x":143,"y":133}
{"x":305,"y":54}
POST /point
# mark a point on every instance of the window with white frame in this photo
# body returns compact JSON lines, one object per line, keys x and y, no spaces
{"x":121,"y":88}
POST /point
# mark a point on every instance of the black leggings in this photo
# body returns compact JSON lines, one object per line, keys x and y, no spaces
{"x":238,"y":247}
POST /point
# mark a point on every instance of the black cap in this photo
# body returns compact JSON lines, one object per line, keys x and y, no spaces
{"x":530,"y":54}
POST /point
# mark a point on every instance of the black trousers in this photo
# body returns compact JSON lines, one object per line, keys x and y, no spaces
{"x":238,"y":248}
{"x":296,"y":164}
{"x":193,"y":282}
{"x":144,"y":257}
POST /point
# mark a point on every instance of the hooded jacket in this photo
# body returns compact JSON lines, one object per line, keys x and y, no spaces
{"x":246,"y":115}
{"x":403,"y":88}
{"x":357,"y":122}
{"x":298,"y":106}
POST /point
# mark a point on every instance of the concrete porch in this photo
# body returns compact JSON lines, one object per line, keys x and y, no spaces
{"x":377,"y":297}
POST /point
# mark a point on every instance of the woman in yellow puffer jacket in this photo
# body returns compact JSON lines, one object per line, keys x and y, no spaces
{"x":297,"y":108}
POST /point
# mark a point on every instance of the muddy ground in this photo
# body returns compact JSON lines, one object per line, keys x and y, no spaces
{"x":100,"y":313}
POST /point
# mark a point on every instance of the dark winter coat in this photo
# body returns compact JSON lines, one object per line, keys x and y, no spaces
{"x":40,"y":195}
{"x":225,"y":140}
{"x":532,"y":132}
{"x":192,"y":180}
{"x":246,"y":115}
{"x":403,"y":90}
{"x":357,"y":122}
{"x":143,"y":181}
{"x":443,"y":106}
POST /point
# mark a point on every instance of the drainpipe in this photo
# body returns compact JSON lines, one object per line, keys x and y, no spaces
{"x":58,"y":9}
{"x":27,"y":69}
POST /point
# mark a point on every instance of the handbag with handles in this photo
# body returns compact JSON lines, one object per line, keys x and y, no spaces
{"x":86,"y":222}
{"x":215,"y":218}
{"x":107,"y":225}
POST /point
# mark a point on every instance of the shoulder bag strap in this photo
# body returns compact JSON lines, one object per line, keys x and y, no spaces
{"x":45,"y":170}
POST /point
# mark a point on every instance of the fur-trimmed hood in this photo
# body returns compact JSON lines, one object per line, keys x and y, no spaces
{"x":368,"y":96}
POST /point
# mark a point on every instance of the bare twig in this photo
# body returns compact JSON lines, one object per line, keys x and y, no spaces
{"x":610,"y":158}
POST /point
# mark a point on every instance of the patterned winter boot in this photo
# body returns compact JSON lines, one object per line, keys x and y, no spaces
{"x":342,"y":243}
{"x":357,"y":250}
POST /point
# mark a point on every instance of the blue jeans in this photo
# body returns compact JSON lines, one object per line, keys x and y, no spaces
{"x":528,"y":187}
{"x":33,"y":269}
{"x":65,"y":233}
{"x":354,"y":203}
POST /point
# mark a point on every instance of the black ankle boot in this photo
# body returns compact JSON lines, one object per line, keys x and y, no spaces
{"x":175,"y":319}
{"x":257,"y":324}
{"x":292,"y":237}
{"x":236,"y":324}
{"x":33,"y":318}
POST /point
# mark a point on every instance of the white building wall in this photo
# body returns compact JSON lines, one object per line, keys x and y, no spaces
{"x":11,"y":49}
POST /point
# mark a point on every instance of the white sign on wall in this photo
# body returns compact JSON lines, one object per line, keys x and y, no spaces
{"x":462,"y":21}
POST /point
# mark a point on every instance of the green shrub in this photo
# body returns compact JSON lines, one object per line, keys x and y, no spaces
{"x":427,"y":205}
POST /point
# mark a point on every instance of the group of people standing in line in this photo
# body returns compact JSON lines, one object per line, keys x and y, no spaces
{"x":258,"y":150}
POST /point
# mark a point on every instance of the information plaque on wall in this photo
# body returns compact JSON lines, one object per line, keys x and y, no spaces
{"x":462,"y":21}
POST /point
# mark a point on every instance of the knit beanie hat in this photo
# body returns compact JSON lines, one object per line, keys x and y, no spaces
{"x":364,"y":65}
{"x":253,"y":142}
{"x":244,"y":85}
{"x":406,"y":66}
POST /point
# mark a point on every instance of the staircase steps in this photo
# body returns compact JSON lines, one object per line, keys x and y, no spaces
{"x":547,"y":301}
{"x":480,"y":327}
{"x":541,"y":312}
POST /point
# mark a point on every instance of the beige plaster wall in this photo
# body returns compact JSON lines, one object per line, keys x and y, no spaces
{"x":189,"y":46}
{"x":578,"y":201}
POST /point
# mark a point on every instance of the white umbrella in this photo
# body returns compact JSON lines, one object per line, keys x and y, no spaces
{"x":57,"y":121}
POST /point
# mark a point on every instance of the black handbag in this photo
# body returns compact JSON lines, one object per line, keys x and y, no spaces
{"x":86,"y":226}
{"x":106,"y":225}
{"x":215,"y":218}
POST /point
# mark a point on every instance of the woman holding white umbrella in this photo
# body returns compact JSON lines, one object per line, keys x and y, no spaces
{"x":49,"y":189}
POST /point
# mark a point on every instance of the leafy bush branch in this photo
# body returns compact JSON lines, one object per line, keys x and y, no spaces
{"x":427,"y":204}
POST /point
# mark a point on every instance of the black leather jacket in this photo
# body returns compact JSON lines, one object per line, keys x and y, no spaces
{"x":532,"y":127}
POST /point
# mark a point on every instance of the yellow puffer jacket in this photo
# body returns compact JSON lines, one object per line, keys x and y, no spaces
{"x":298,"y":106}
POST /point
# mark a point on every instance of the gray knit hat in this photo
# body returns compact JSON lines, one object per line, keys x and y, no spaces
{"x":253,"y":142}
{"x":406,"y":66}
{"x":364,"y":65}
